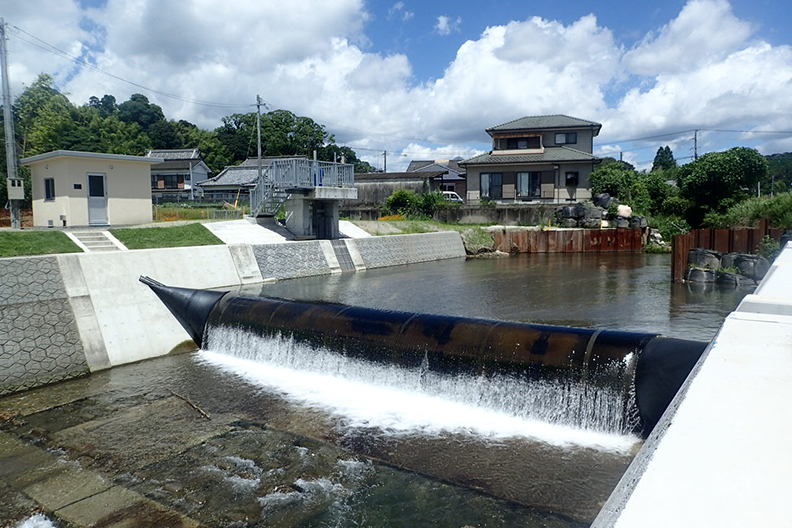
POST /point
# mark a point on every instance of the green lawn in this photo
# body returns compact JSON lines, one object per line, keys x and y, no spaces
{"x":164,"y":237}
{"x":23,"y":243}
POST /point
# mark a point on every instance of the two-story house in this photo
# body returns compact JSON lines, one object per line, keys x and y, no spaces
{"x":178,"y":174}
{"x":541,"y":159}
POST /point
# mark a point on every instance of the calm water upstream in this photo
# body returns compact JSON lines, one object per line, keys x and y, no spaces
{"x":626,"y":292}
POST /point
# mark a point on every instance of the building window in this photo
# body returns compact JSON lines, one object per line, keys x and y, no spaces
{"x":49,"y":189}
{"x":448,"y":187}
{"x":529,"y":184}
{"x":492,"y":185}
{"x":572,"y":179}
{"x":566,"y":138}
{"x":534,"y":142}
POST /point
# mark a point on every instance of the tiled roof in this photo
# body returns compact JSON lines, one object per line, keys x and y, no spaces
{"x":233,"y":176}
{"x":245,"y":174}
{"x":451,"y":167}
{"x":175,"y":154}
{"x":417,"y":164}
{"x":550,"y":155}
{"x":544,"y":122}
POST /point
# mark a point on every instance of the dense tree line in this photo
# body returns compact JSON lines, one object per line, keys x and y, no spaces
{"x":699,"y":193}
{"x":46,"y":120}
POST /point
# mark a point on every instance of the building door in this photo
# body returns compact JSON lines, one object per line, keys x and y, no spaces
{"x":97,"y":199}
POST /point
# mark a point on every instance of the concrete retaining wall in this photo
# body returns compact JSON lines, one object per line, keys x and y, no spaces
{"x":65,"y":315}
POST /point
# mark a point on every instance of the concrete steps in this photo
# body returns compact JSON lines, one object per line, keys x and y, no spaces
{"x":94,"y":241}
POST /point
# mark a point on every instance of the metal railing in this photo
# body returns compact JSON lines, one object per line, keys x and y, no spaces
{"x":283,"y":175}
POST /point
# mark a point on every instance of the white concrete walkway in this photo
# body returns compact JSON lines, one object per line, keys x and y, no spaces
{"x":721,"y":456}
{"x":245,"y":232}
{"x":351,"y":230}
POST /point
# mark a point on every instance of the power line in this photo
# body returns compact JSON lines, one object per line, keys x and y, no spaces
{"x":57,"y":51}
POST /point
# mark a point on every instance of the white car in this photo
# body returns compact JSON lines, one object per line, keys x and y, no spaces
{"x":451,"y":196}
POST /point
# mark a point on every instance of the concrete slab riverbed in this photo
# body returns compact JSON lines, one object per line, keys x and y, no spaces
{"x":132,"y":446}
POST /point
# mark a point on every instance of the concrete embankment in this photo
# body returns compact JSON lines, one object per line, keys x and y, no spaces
{"x":62,"y":316}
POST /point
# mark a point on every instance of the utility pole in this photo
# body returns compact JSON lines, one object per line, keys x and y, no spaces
{"x":385,"y":161}
{"x":14,"y":185}
{"x":258,"y":134}
{"x":695,"y":144}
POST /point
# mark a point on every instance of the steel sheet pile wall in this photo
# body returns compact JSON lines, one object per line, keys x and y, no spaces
{"x":722,"y":240}
{"x":516,"y":240}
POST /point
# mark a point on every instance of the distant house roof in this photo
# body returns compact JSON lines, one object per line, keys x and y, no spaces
{"x":82,"y":154}
{"x":175,"y":154}
{"x":545,"y":122}
{"x":450,"y":169}
{"x":550,"y":155}
{"x":243,"y":175}
{"x":417,"y":164}
{"x":177,"y":159}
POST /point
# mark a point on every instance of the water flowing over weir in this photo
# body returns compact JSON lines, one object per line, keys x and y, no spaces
{"x":542,"y":416}
{"x":406,"y":400}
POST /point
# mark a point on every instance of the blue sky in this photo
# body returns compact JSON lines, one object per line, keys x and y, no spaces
{"x":423,"y":80}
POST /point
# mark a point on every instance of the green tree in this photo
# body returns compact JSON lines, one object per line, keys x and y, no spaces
{"x":664,"y":159}
{"x":139,"y":110}
{"x":717,"y":180}
{"x":614,"y":179}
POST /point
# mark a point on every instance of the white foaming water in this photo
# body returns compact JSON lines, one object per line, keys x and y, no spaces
{"x":400,"y":400}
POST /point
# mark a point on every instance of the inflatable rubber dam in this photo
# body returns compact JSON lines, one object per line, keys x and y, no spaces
{"x":603,"y":380}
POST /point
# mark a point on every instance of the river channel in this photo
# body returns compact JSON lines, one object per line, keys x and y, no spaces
{"x":303,"y":437}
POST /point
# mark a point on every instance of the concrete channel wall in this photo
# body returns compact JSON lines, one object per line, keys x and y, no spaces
{"x":62,"y":316}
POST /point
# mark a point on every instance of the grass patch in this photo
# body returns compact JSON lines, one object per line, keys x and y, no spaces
{"x":654,"y":248}
{"x":24,"y":243}
{"x":177,"y":213}
{"x":164,"y":237}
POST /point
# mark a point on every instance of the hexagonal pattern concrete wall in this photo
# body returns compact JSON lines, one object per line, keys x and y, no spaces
{"x":39,"y":340}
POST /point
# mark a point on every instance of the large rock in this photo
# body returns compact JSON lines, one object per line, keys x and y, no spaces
{"x":621,"y":222}
{"x":595,"y":213}
{"x":730,"y":279}
{"x":638,"y":222}
{"x":703,"y":275}
{"x":568,"y":222}
{"x":752,"y":266}
{"x":727,"y":260}
{"x":604,"y":200}
{"x":654,"y":237}
{"x":591,"y":223}
{"x":704,"y":258}
{"x":624,"y":211}
{"x":786,"y":237}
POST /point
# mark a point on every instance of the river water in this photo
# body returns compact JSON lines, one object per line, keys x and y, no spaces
{"x":610,"y":291}
{"x":306,"y":437}
{"x":476,"y":433}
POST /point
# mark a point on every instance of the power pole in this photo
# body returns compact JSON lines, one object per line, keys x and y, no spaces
{"x":258,"y":134}
{"x":14,"y":187}
{"x":695,"y":144}
{"x":385,"y":161}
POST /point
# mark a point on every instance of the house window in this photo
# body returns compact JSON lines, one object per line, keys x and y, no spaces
{"x":173,"y":181}
{"x":534,"y":142}
{"x":49,"y":189}
{"x":448,"y":187}
{"x":492,"y":185}
{"x":566,"y":138}
{"x":572,"y":179}
{"x":529,"y":184}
